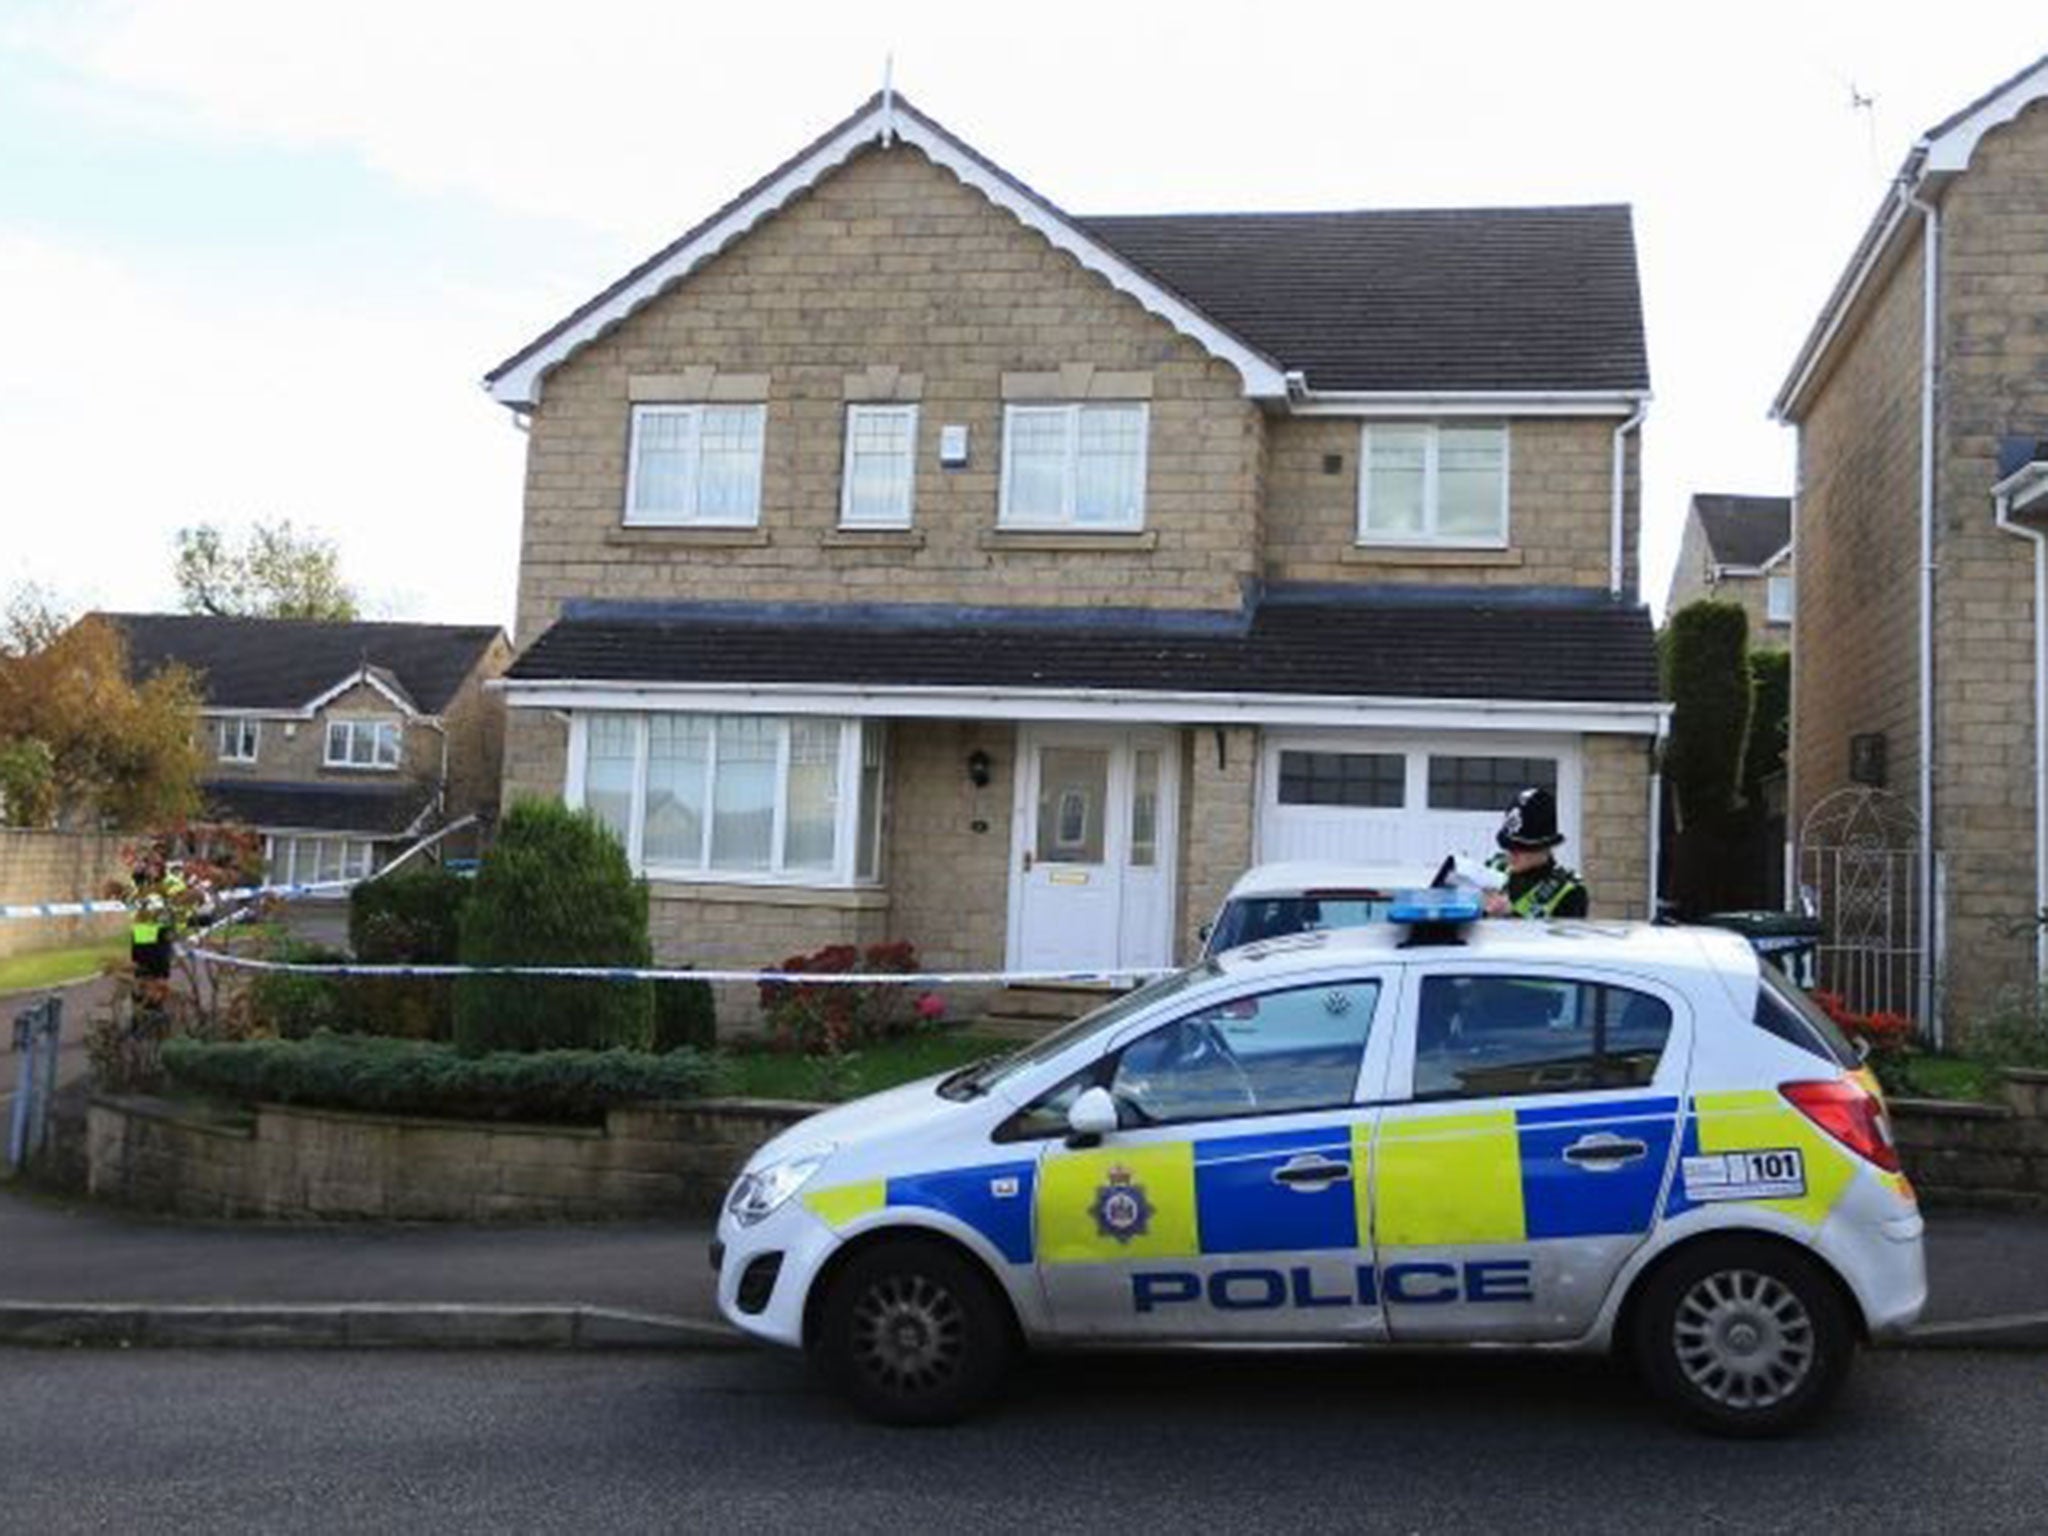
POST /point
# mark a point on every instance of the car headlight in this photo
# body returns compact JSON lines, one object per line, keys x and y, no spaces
{"x":761,"y":1193}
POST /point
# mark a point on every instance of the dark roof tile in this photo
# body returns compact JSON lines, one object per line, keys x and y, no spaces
{"x":1743,"y":530}
{"x":371,"y":809}
{"x":285,"y":663}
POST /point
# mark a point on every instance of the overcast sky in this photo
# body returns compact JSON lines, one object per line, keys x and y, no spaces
{"x":254,"y":257}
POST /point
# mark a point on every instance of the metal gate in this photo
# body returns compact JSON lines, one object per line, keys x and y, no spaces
{"x":1859,"y":868}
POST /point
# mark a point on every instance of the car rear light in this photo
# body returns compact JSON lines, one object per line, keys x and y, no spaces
{"x":1850,"y":1113}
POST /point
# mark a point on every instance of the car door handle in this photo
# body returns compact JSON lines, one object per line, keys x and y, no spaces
{"x":1601,"y":1151}
{"x":1308,"y":1173}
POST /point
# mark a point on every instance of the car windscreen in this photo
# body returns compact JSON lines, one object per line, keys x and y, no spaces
{"x":971,"y":1082}
{"x":1250,"y":919}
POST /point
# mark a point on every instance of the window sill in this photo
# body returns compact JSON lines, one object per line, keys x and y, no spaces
{"x":359,"y":767}
{"x":1428,"y":554}
{"x":852,"y":898}
{"x":874,"y":538}
{"x":1060,"y":539}
{"x":687,"y":538}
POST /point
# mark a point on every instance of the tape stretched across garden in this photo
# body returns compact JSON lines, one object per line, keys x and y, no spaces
{"x":656,"y":973}
{"x":82,"y":908}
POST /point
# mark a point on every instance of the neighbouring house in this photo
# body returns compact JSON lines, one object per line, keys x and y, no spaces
{"x":904,"y":556}
{"x":1921,"y":402}
{"x":1738,"y":549}
{"x":342,"y":743}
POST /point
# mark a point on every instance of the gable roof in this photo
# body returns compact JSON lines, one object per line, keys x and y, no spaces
{"x":290,"y":664}
{"x":1937,"y":157}
{"x":1449,"y":299}
{"x":1401,"y":302}
{"x":1744,"y":531}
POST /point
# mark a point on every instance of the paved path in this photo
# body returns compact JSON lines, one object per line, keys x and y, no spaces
{"x":148,"y":1441}
{"x":81,"y":1000}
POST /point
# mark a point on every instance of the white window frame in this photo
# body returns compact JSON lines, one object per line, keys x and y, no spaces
{"x":351,"y":727}
{"x":1429,"y":538}
{"x":688,"y":517}
{"x":846,"y":823}
{"x":1065,"y":522}
{"x":900,"y":517}
{"x":246,"y":731}
{"x":1778,"y":584}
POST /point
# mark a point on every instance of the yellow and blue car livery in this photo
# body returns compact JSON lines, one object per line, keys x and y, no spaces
{"x":1395,"y":1214}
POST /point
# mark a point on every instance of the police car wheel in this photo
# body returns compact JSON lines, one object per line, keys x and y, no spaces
{"x":912,"y":1333}
{"x":1743,"y":1337}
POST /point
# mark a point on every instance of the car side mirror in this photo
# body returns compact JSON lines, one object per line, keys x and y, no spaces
{"x":1093,"y":1117}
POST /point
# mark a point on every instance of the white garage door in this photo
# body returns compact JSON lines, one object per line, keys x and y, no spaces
{"x":1371,"y":798}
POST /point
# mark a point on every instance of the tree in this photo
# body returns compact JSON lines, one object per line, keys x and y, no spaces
{"x":1707,"y":675}
{"x":81,"y":743}
{"x":276,"y":572}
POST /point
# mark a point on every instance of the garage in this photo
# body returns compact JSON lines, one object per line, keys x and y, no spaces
{"x":1369,"y":797}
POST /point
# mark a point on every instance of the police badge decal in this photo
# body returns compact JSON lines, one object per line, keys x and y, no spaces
{"x":1121,"y":1209}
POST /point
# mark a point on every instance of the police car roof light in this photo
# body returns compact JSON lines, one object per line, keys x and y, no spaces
{"x":1435,"y":915}
{"x":1436,"y":905}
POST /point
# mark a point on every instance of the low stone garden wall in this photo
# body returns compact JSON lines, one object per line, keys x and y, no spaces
{"x":1979,"y":1154}
{"x":317,"y":1164}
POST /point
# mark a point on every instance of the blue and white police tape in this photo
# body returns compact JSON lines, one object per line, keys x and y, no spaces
{"x":29,"y":909}
{"x":658,"y":973}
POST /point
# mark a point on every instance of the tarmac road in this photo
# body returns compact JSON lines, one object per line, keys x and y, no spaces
{"x":143,"y":1441}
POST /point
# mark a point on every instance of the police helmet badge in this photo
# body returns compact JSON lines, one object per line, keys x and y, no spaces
{"x":1121,"y":1209}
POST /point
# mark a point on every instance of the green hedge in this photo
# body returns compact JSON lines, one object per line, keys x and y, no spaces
{"x":685,"y":1016}
{"x":409,"y":1077}
{"x":555,"y":889}
{"x":413,"y":917}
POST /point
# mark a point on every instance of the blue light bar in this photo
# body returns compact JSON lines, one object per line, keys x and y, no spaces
{"x":1437,"y":904}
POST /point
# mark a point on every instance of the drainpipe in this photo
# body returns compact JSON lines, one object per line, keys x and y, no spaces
{"x":2004,"y":502}
{"x":1930,"y":379}
{"x":1614,"y":540}
{"x":1657,"y":813}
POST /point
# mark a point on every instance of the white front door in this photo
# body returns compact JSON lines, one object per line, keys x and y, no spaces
{"x":1092,"y":859}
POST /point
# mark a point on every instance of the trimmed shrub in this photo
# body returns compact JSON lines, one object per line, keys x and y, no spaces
{"x":410,"y":918}
{"x":555,"y":889}
{"x":293,"y":1007}
{"x":685,"y":1016}
{"x":409,"y":1077}
{"x":1708,"y":678}
{"x":839,"y":1017}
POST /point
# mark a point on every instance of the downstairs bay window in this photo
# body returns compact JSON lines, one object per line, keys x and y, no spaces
{"x":768,"y":799}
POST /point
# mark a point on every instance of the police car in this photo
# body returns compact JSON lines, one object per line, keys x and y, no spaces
{"x":1430,"y":1131}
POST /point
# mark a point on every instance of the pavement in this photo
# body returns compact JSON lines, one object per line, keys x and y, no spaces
{"x":81,"y":1000}
{"x":76,"y":1273}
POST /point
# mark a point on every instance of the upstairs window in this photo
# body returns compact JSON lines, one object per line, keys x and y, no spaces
{"x":237,"y":738}
{"x":362,"y":744}
{"x":1778,"y":600}
{"x":695,"y":466}
{"x":1428,"y":484}
{"x":881,"y":458}
{"x":1074,"y":467}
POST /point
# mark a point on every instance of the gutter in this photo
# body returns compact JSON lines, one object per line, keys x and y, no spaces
{"x":1614,"y":549}
{"x":1650,"y":913}
{"x":2011,"y":495}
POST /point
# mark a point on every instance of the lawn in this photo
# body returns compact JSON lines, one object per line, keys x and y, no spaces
{"x":766,"y":1075}
{"x":1949,"y":1077}
{"x":52,"y":967}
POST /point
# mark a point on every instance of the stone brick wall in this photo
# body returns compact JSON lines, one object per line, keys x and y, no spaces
{"x":1994,"y":359}
{"x":299,"y":1164}
{"x":1560,"y":507}
{"x":475,"y":722}
{"x":1979,"y":1154}
{"x":949,"y":885}
{"x":296,"y":750}
{"x":56,"y":866}
{"x":1857,"y":555}
{"x":890,"y":267}
{"x":1218,"y":809}
{"x":1614,"y":856}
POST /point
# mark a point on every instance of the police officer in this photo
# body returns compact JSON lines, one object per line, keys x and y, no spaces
{"x":153,"y":929}
{"x":1538,"y":886}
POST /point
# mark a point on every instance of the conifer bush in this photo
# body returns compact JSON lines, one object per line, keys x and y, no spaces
{"x":555,"y":889}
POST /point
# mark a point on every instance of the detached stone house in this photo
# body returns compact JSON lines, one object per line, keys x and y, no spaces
{"x":342,"y":743}
{"x":905,"y":557}
{"x":1738,"y":549}
{"x":1921,"y":402}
